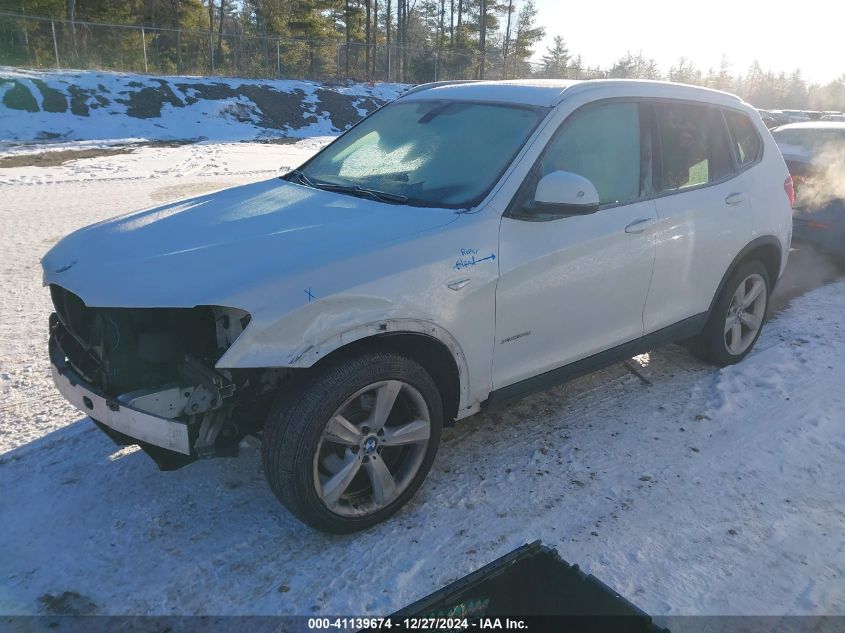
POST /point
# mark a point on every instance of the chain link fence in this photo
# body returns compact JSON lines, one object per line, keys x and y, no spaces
{"x":40,"y":42}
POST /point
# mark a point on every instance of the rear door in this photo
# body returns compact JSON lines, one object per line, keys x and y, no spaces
{"x":703,"y":211}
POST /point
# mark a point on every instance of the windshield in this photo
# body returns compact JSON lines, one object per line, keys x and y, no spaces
{"x":811,"y":139}
{"x":431,"y":153}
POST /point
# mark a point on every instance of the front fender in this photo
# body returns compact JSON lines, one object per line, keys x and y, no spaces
{"x":314,"y":331}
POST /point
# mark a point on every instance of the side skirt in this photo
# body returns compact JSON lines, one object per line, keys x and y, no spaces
{"x":671,"y":334}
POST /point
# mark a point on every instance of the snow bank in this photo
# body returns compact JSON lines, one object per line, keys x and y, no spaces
{"x":90,"y":105}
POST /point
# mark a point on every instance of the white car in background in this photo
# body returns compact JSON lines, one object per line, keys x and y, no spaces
{"x":465,"y":245}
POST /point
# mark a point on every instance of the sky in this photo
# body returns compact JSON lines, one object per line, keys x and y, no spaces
{"x":782,"y":37}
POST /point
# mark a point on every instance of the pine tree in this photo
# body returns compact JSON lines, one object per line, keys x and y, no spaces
{"x":685,"y":73}
{"x":634,"y":67}
{"x":556,"y":59}
{"x":527,"y":36}
{"x":724,"y":81}
{"x":795,"y":90}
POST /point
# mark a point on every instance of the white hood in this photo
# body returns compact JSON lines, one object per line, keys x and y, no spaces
{"x":212,"y":249}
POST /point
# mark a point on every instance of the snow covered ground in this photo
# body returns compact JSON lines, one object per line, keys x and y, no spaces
{"x":690,"y":490}
{"x":198,"y":163}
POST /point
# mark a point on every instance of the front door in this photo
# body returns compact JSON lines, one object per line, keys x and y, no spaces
{"x":575,"y":286}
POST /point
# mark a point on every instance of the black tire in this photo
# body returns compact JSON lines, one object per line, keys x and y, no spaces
{"x":711,"y":344}
{"x":295,"y":426}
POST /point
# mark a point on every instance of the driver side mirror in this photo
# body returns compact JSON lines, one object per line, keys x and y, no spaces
{"x":563,"y":193}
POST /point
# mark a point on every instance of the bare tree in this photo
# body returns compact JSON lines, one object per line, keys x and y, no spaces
{"x":482,"y":38}
{"x":347,"y":20}
{"x":460,"y":17}
{"x":367,"y":38}
{"x":220,"y":30}
{"x":442,"y":27}
{"x":404,"y":16}
{"x":387,"y":40}
{"x":400,"y":6}
{"x":71,"y":16}
{"x":211,"y":32}
{"x":375,"y":36}
{"x":507,"y":41}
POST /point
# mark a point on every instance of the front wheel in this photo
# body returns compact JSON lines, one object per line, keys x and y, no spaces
{"x":737,"y":317}
{"x":354,"y":443}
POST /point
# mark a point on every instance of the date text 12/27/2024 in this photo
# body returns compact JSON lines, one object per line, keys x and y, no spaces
{"x":417,"y":624}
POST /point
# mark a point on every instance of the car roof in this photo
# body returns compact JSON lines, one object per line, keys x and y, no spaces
{"x":813,"y":125}
{"x":550,"y":92}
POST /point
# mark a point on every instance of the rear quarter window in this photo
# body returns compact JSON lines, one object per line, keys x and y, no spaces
{"x":746,"y":142}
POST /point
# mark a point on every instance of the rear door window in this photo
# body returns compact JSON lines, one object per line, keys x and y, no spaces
{"x":746,"y":141}
{"x":694,"y":146}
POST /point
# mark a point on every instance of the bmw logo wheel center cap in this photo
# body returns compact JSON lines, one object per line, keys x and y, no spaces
{"x":370,"y":445}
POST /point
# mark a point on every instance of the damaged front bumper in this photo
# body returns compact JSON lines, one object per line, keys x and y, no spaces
{"x":145,"y":428}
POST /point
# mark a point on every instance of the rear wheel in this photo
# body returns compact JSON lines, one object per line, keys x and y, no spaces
{"x":737,"y":317}
{"x":353,"y":444}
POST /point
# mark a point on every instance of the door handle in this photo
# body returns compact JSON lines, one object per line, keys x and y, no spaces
{"x":735,"y":199}
{"x":639,"y":225}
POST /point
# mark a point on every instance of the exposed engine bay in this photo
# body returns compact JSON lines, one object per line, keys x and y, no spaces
{"x":161,"y":361}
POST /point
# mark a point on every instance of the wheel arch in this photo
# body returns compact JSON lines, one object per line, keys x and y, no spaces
{"x":767,"y":249}
{"x":425,"y":343}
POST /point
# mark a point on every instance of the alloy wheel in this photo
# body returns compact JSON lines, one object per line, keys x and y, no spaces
{"x":371,"y":448}
{"x":745,"y":314}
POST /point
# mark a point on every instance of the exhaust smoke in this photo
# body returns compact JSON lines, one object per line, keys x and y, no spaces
{"x":823,"y":180}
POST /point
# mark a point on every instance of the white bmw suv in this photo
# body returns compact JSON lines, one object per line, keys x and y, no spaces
{"x":467,"y":244}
